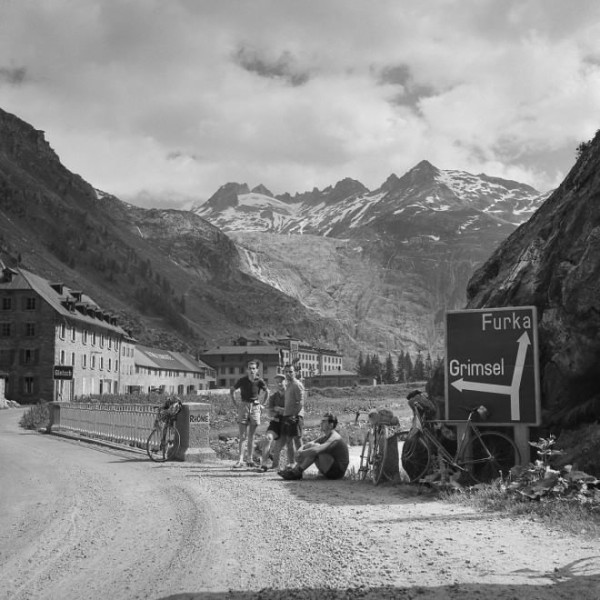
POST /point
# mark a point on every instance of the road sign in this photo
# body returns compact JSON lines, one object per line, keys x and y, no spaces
{"x":64,"y":372}
{"x":492,"y":359}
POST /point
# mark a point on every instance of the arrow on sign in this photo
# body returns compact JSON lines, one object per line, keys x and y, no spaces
{"x":511,"y":390}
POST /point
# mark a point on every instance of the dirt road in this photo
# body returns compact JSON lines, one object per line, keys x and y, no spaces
{"x":80,"y":521}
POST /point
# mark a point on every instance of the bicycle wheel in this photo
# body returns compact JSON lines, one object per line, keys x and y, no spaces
{"x":379,"y":453}
{"x":365,"y":457}
{"x":416,"y":457}
{"x":493,"y":455}
{"x":162,"y":446}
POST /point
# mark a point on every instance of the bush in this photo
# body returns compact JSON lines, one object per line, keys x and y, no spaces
{"x":36,"y":417}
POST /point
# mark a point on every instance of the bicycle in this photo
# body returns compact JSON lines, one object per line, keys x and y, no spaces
{"x":164,"y":440}
{"x":375,"y":446}
{"x":479,"y":457}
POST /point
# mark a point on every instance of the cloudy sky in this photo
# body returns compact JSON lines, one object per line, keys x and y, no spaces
{"x":161,"y":101}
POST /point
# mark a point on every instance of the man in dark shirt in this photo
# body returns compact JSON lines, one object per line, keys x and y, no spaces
{"x":250,"y":386}
{"x":329,"y":453}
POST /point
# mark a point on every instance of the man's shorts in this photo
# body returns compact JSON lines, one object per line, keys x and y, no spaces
{"x":329,"y":467}
{"x":275,"y":427}
{"x":248,"y":412}
{"x":292,"y":426}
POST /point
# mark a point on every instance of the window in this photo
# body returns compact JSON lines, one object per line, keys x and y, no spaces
{"x":84,"y":361}
{"x":29,"y":329}
{"x":73,"y":358}
{"x":28,"y":385}
{"x":28,"y":357}
{"x":101,"y":340}
{"x":92,"y":362}
{"x":62,"y":357}
{"x":30,"y":303}
{"x":5,"y":329}
{"x":109,"y":341}
{"x":62,"y":330}
{"x":84,"y":336}
{"x":93,"y":338}
{"x":6,"y":303}
{"x":116,"y":365}
{"x":101,"y":364}
{"x":73,"y":333}
{"x":109,"y":364}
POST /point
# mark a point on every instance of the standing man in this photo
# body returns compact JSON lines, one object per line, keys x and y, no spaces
{"x":329,"y":452}
{"x":250,"y":386}
{"x":292,"y":424}
{"x":275,"y":408}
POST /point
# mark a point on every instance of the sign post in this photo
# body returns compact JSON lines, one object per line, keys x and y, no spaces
{"x":492,"y":359}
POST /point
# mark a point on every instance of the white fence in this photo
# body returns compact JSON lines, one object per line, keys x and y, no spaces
{"x":129,"y":424}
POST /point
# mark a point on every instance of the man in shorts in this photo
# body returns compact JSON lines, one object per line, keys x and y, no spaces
{"x":292,"y":422}
{"x":329,"y":452}
{"x":273,"y":434}
{"x":250,"y":386}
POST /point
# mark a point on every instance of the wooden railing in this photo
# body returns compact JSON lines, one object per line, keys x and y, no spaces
{"x":128,"y":424}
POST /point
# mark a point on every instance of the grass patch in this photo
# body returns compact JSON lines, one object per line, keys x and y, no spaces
{"x":563,"y":514}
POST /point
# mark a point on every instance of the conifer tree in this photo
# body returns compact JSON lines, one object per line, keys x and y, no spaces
{"x":360,"y":365}
{"x":367,"y":368}
{"x":376,"y":367}
{"x":419,"y":368}
{"x":408,"y":367}
{"x":388,"y":372}
{"x":400,"y":371}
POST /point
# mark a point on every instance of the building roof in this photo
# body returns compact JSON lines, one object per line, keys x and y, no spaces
{"x":165,"y":360}
{"x":241,"y":350}
{"x":24,"y":280}
{"x":340,"y":373}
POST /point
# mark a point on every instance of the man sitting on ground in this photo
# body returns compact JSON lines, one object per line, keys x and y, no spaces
{"x":329,"y":453}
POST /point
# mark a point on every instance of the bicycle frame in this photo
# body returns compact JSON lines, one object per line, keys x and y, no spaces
{"x":463,"y":459}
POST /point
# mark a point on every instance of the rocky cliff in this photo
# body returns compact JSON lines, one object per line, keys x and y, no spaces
{"x":553,"y":263}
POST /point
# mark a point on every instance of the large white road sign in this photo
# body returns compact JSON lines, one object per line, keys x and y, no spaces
{"x":492,"y":359}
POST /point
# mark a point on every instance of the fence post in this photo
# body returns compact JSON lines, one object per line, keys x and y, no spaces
{"x":54,"y":415}
{"x":194,"y":426}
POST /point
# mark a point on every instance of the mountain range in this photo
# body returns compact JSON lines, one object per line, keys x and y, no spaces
{"x":387,"y":263}
{"x":343,"y":267}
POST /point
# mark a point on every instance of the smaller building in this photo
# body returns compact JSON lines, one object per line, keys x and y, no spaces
{"x":271,"y":354}
{"x":167,"y":372}
{"x":333,"y":379}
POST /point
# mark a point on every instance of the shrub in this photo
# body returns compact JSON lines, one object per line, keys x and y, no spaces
{"x":36,"y":417}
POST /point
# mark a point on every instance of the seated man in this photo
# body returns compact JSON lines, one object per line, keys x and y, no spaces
{"x":329,"y":453}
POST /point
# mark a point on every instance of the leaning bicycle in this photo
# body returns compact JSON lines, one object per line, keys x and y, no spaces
{"x":373,"y":458}
{"x":479,"y":457}
{"x":164,"y":440}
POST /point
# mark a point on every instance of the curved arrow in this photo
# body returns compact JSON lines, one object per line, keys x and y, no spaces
{"x":511,"y":390}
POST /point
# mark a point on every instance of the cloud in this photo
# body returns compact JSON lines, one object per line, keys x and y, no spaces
{"x":177,"y":98}
{"x":13,"y":75}
{"x":284,"y":67}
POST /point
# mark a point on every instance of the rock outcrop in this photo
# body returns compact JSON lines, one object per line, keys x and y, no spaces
{"x":553,"y":262}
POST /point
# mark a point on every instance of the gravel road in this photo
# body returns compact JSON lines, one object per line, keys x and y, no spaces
{"x":81,"y":521}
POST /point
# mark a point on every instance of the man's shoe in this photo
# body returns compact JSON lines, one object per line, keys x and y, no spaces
{"x":291,"y":474}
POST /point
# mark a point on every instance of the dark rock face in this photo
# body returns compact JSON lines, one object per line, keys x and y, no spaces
{"x":553,"y":263}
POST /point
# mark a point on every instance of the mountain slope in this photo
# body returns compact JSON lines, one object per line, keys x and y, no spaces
{"x":173,"y":278}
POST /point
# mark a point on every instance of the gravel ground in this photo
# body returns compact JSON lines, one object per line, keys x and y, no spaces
{"x":81,"y":521}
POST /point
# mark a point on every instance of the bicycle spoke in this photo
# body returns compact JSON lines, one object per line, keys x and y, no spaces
{"x":494,"y":454}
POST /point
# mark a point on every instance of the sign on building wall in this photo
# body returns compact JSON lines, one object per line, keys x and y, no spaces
{"x":64,"y":372}
{"x":492,"y":359}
